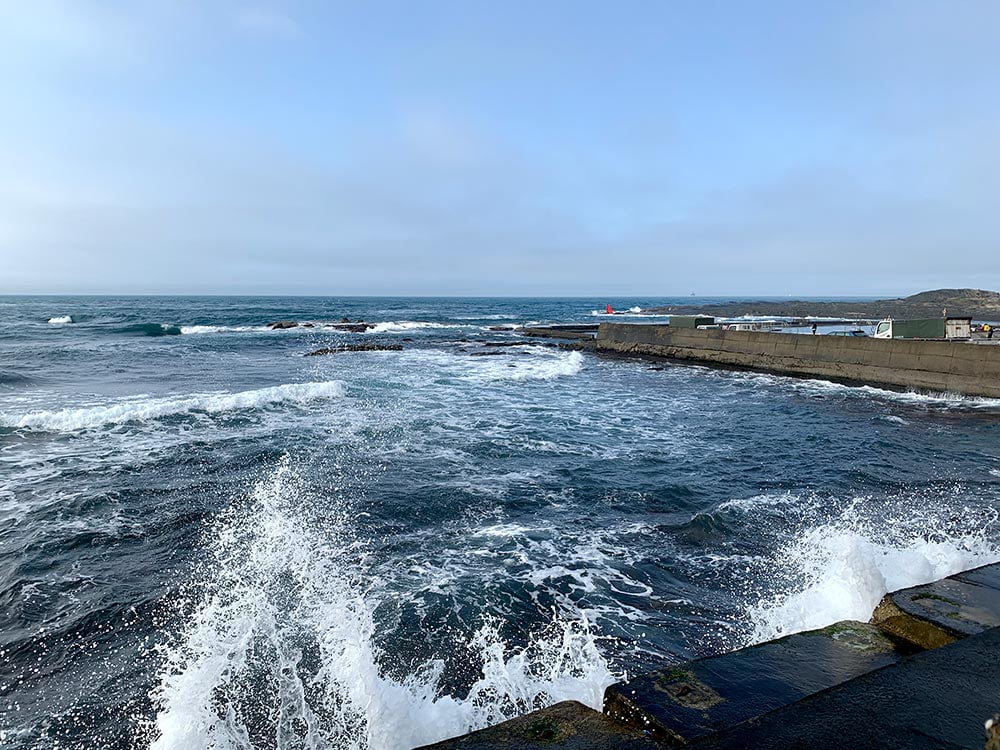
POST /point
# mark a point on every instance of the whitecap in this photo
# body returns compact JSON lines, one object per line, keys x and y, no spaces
{"x":224,"y":329}
{"x":749,"y":504}
{"x":894,"y":418}
{"x":145,"y":409}
{"x":407,"y":326}
{"x":61,"y":320}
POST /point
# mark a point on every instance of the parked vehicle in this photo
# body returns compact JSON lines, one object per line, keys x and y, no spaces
{"x":926,"y":328}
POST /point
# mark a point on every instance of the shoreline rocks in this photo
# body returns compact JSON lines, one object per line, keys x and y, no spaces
{"x":344,"y":325}
{"x":354,"y":348}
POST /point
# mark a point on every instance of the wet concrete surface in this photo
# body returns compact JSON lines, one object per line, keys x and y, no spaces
{"x":933,"y":699}
{"x":680,"y":704}
{"x":569,"y":725}
{"x":938,"y":613}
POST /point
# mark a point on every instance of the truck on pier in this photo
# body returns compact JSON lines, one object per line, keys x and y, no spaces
{"x":925,"y":328}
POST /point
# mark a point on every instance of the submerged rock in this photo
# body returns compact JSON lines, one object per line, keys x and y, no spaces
{"x":281,"y":325}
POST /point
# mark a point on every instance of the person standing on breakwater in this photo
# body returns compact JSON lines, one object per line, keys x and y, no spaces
{"x":814,"y":329}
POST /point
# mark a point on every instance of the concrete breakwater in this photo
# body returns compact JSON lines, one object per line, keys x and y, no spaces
{"x":963,"y":368}
{"x":921,"y":674}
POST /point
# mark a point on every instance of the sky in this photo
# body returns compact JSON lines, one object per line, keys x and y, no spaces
{"x":654,"y":148}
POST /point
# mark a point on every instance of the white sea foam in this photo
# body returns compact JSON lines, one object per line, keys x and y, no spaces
{"x":826,"y":387}
{"x":145,"y":409}
{"x":632,"y":312}
{"x":756,"y":502}
{"x":542,"y":366}
{"x":894,"y":418}
{"x":529,"y":363}
{"x":61,"y":320}
{"x":485,"y":317}
{"x":844,"y":572}
{"x":278,"y":589}
{"x":408,"y":326}
{"x":224,"y":329}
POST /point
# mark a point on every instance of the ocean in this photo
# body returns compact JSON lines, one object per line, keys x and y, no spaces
{"x":208,"y":539}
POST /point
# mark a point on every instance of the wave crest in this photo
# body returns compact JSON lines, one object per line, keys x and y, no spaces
{"x":281,"y":649}
{"x":844,"y":571}
{"x":150,"y":329}
{"x":223,"y":329}
{"x":408,"y":326}
{"x":136,"y":410}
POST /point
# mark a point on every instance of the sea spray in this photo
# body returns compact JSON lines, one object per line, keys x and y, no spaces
{"x":842,"y":569}
{"x":281,"y":648}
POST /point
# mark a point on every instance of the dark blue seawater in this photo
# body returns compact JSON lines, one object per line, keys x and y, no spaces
{"x":210,"y":540}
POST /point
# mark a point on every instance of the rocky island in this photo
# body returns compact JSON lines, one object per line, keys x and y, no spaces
{"x":979,"y":304}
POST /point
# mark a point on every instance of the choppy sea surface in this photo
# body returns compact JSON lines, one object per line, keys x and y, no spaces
{"x":210,"y":540}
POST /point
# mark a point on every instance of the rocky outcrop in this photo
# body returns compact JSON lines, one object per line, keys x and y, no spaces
{"x":976,"y":303}
{"x":354,"y":348}
{"x":344,"y":325}
{"x":358,"y":327}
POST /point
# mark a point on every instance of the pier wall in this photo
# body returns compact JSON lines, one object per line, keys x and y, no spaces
{"x":920,"y":674}
{"x":968,"y":369}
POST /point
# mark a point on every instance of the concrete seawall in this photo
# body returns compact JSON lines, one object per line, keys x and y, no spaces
{"x":921,"y":674}
{"x":963,"y":368}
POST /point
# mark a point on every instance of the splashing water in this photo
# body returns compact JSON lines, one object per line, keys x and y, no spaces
{"x":281,"y":649}
{"x":844,"y":569}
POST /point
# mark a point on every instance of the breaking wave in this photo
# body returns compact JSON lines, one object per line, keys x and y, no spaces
{"x":61,"y":320}
{"x":281,"y":650}
{"x":150,"y":329}
{"x":140,"y":410}
{"x":844,"y":568}
{"x":223,"y":329}
{"x":822,"y":388}
{"x":407,"y":326}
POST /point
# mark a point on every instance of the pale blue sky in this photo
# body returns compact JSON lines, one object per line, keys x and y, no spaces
{"x":612,"y":148}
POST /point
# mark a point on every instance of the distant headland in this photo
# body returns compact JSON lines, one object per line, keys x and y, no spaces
{"x":976,"y":303}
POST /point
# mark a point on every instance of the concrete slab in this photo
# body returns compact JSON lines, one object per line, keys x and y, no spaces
{"x":934,"y":699}
{"x":944,"y":611}
{"x":568,"y":725}
{"x":681,"y":704}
